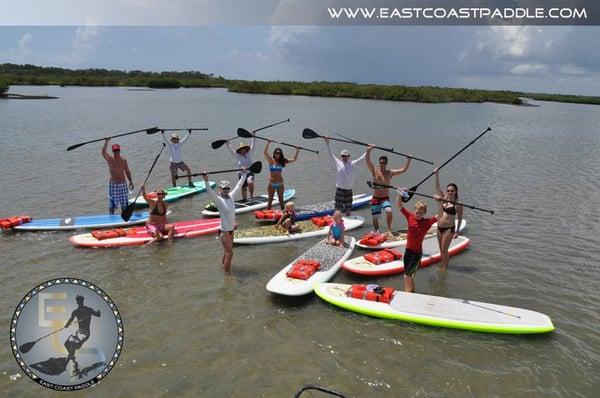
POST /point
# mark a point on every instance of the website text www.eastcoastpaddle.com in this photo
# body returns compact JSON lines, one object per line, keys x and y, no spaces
{"x":462,"y":13}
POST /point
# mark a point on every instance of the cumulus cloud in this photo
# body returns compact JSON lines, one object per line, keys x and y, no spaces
{"x":23,"y":44}
{"x":528,"y":69}
{"x":85,"y":37}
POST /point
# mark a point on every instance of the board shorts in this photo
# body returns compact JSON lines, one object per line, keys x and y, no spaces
{"x":181,"y":166}
{"x":117,"y":194}
{"x":154,"y":228}
{"x":412,"y":261}
{"x":343,"y":199}
{"x":248,"y":180}
{"x":377,"y":204}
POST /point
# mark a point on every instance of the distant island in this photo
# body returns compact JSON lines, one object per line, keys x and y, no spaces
{"x":12,"y":74}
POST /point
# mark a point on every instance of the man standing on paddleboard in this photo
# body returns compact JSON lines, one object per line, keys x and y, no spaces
{"x":418,"y":226}
{"x":344,"y":178}
{"x":243,"y":154}
{"x":176,"y":161}
{"x":226,"y":205}
{"x":381,"y":196}
{"x":117,"y":186}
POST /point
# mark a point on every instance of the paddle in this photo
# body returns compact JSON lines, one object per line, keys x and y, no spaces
{"x":307,"y":387}
{"x":246,"y":134}
{"x":25,"y":348}
{"x":187,"y":129}
{"x":255,"y":168}
{"x":386,"y":150}
{"x":376,"y":185}
{"x":412,"y":189}
{"x":219,"y":143}
{"x":310,"y":134}
{"x":151,"y":130}
{"x":128,"y":211}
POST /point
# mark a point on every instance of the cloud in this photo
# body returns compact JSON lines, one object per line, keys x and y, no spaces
{"x":570,"y":69}
{"x":528,"y":69}
{"x":23,"y":45}
{"x":513,"y":42}
{"x":84,"y":39}
{"x":287,"y":38}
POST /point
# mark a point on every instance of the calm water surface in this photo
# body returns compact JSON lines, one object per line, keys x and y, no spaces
{"x":191,"y":331}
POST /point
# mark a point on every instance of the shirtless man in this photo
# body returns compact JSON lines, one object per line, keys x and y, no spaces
{"x":84,"y":318}
{"x":381,"y":196}
{"x":117,"y":186}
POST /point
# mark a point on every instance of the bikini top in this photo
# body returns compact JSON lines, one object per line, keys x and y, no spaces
{"x":274,"y":168}
{"x":450,"y":210}
{"x":156,"y":212}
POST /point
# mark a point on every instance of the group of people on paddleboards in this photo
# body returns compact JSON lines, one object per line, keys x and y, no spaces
{"x":449,"y":212}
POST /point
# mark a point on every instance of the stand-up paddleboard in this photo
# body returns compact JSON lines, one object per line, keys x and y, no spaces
{"x":139,"y":235}
{"x":330,"y":258}
{"x":304,"y":212}
{"x":271,"y":234}
{"x":441,"y":311}
{"x":399,"y":238}
{"x":431,"y":255}
{"x":82,"y":222}
{"x":176,"y":193}
{"x":256,"y":203}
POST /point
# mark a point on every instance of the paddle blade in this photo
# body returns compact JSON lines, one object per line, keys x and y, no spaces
{"x":241,"y":132}
{"x":309,"y":134}
{"x":75,"y":146}
{"x":218,"y":144}
{"x":152,"y":130}
{"x":411,"y":193}
{"x":25,"y":348}
{"x":128,"y":211}
{"x":255,"y":167}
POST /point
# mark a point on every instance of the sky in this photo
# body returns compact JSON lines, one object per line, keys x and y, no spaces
{"x":562,"y":59}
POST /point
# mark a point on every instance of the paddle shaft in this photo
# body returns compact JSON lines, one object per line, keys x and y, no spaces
{"x":254,"y":168}
{"x":387,"y":150}
{"x":188,"y":129}
{"x":452,"y":158}
{"x":290,"y":145}
{"x":32,"y":343}
{"x":148,"y":175}
{"x":150,"y":130}
{"x":270,"y":125}
{"x":219,"y":143}
{"x":372,"y":184}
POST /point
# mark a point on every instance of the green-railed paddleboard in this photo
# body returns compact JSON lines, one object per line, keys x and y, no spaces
{"x":176,"y":193}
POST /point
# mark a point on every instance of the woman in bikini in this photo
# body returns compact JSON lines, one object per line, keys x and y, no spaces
{"x":276,"y":164}
{"x":156,"y":225}
{"x":446,"y":225}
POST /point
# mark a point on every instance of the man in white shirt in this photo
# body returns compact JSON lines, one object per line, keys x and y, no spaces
{"x":344,"y":179}
{"x":176,"y":162}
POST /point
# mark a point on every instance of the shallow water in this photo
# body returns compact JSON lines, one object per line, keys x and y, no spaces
{"x":191,"y":331}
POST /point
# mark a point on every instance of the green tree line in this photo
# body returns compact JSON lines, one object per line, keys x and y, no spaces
{"x":12,"y":74}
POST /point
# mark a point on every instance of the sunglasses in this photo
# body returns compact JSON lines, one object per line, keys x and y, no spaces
{"x":450,"y":190}
{"x":382,"y":162}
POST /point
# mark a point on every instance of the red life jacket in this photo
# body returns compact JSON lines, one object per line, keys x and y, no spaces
{"x":362,"y":292}
{"x":303,"y":269}
{"x":109,"y":233}
{"x":322,"y":221}
{"x":373,"y":239}
{"x":383,"y":256}
{"x":8,"y":223}
{"x":267,"y":214}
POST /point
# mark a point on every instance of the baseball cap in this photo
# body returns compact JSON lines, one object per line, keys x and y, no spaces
{"x":345,"y":152}
{"x":116,"y":147}
{"x":224,"y":184}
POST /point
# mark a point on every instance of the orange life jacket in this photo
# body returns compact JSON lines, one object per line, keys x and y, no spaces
{"x":322,"y":221}
{"x":8,"y":223}
{"x":383,"y":256}
{"x":304,"y":269}
{"x":109,"y":233}
{"x":367,"y":292}
{"x":267,"y":214}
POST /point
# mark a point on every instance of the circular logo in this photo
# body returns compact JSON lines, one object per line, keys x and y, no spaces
{"x":66,"y":334}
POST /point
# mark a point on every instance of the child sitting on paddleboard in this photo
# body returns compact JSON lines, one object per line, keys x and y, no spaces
{"x":336,"y":230}
{"x":226,"y":206}
{"x":418,"y":226}
{"x":288,"y":219}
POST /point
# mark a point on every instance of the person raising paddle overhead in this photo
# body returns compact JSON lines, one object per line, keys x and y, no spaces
{"x":446,"y":228}
{"x":418,"y":226}
{"x":226,"y":205}
{"x":381,"y":196}
{"x":346,"y":169}
{"x":243,"y":154}
{"x":276,"y":164}
{"x":117,"y":185}
{"x":177,"y":162}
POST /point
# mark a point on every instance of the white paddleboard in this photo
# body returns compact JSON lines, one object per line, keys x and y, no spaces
{"x":255,"y":203}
